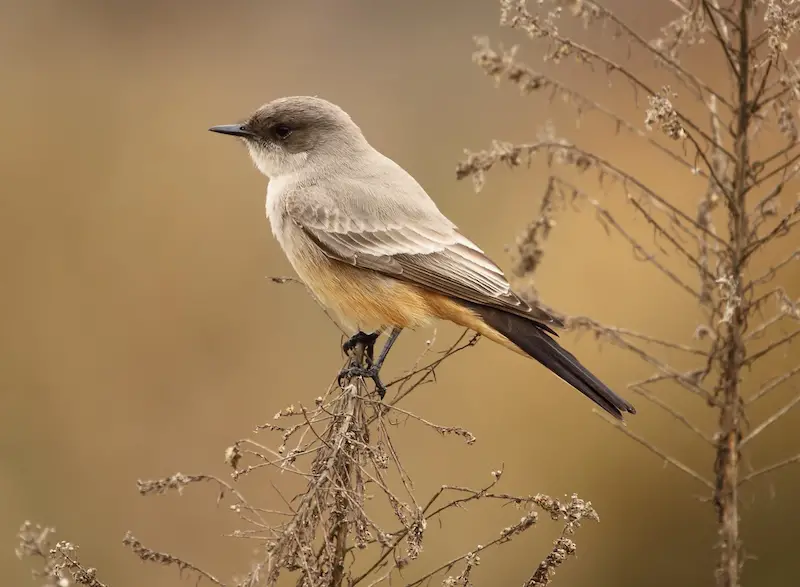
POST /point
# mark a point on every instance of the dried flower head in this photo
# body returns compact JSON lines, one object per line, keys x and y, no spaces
{"x":782,"y":18}
{"x":663,"y":114}
{"x":685,"y":31}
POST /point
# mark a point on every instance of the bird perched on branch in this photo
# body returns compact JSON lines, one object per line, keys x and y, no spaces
{"x":374,"y":248}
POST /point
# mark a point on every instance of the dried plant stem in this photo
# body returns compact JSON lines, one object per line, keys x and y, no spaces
{"x":726,"y":467}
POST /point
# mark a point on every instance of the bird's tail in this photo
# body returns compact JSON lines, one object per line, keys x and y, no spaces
{"x":532,"y":337}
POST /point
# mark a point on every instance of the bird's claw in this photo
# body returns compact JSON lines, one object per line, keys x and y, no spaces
{"x":372,"y":372}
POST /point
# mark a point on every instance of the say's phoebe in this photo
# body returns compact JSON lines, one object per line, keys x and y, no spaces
{"x":373,"y":247}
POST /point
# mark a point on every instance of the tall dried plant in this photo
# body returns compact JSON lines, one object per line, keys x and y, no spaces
{"x":745,"y":200}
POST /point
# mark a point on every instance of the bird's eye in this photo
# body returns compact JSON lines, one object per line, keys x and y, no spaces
{"x":282,"y":131}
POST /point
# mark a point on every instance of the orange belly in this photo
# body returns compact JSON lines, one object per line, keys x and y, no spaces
{"x":366,"y":300}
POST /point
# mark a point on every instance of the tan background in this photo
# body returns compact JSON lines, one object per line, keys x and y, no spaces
{"x":140,"y":336}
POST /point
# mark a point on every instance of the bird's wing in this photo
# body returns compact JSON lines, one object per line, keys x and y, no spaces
{"x":422,"y":248}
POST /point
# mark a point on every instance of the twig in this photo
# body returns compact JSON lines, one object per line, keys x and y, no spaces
{"x":163,"y":558}
{"x":777,"y":344}
{"x":672,"y":412}
{"x":773,"y":383}
{"x":770,"y":469}
{"x":770,"y":421}
{"x":657,"y":451}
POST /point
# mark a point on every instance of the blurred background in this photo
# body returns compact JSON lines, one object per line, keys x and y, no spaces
{"x":141,"y":334}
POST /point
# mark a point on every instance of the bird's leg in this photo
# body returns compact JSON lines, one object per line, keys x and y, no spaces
{"x":387,"y":347}
{"x":373,"y":369}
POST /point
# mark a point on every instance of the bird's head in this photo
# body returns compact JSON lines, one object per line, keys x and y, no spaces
{"x":285,"y":135}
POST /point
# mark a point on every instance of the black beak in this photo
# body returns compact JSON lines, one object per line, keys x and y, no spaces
{"x":236,"y":130}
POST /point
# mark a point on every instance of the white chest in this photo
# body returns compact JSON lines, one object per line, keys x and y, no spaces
{"x":275,"y":207}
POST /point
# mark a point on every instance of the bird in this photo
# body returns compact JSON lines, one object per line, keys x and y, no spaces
{"x":372,"y":246}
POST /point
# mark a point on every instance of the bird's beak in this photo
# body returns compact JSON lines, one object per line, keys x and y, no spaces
{"x":236,"y":130}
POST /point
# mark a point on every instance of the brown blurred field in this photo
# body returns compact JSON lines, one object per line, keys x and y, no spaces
{"x":140,"y":335}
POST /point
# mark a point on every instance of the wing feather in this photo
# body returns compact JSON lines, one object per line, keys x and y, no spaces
{"x":431,"y":254}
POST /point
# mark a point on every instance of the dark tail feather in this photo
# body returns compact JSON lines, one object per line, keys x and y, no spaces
{"x":531,"y":337}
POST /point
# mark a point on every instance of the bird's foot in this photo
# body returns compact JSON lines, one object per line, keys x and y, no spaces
{"x":368,"y":340}
{"x":372,"y":371}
